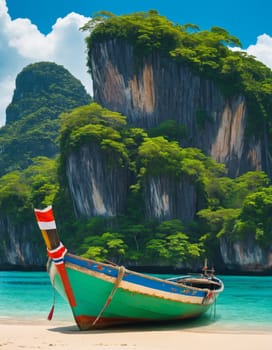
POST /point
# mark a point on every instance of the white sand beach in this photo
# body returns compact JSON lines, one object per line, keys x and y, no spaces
{"x":66,"y":336}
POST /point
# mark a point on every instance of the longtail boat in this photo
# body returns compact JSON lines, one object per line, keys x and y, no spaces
{"x":104,"y":294}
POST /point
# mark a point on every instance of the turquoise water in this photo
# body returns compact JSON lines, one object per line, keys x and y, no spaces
{"x":246,"y":302}
{"x":28,"y":296}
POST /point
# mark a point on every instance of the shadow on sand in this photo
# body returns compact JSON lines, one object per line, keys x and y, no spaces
{"x":204,"y":321}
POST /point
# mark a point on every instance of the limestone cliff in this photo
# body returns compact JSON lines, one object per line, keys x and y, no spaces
{"x":101,"y":189}
{"x":18,"y":244}
{"x":98,"y":186}
{"x":245,"y":256}
{"x":158,"y":88}
{"x":167,"y":198}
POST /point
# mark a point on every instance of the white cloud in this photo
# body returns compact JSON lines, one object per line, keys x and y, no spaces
{"x":262,"y":50}
{"x":21,"y":43}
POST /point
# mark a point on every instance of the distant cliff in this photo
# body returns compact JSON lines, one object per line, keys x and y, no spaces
{"x":43,"y":91}
{"x":45,"y":85}
{"x":20,"y":247}
{"x":245,"y":256}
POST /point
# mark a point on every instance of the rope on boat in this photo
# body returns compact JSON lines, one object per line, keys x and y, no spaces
{"x":118,"y":280}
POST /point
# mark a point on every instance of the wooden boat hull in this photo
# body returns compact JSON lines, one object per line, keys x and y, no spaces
{"x":107,"y":295}
{"x":103,"y":295}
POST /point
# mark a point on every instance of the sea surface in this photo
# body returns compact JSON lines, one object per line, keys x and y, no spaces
{"x":245,"y":304}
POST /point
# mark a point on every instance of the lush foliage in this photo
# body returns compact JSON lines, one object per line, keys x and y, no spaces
{"x":21,"y":190}
{"x":170,"y":129}
{"x":240,"y":209}
{"x":92,"y":123}
{"x":226,"y":212}
{"x":234,"y":207}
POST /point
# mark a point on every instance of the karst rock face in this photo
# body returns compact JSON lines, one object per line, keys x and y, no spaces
{"x":246,"y":255}
{"x":155,"y":89}
{"x":17,"y":248}
{"x":98,"y":185}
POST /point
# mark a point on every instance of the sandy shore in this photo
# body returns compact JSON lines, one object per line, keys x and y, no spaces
{"x":66,"y":336}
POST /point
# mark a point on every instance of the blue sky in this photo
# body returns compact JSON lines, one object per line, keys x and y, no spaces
{"x":245,"y":19}
{"x":48,"y":30}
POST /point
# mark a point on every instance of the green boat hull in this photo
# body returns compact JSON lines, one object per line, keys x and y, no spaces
{"x":94,"y":309}
{"x":102,"y":295}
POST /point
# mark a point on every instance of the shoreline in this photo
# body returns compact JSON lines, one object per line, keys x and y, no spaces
{"x":66,"y":336}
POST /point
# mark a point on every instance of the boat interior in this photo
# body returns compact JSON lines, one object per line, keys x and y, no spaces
{"x":201,"y":281}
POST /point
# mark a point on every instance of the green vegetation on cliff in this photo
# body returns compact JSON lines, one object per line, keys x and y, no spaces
{"x":92,"y":123}
{"x":21,"y":190}
{"x":207,"y":53}
{"x":233,"y":208}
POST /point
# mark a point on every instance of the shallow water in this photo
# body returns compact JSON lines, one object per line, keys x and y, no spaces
{"x":245,"y":304}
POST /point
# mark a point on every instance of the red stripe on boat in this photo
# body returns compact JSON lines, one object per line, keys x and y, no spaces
{"x":45,"y":215}
{"x":66,"y":284}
